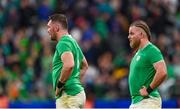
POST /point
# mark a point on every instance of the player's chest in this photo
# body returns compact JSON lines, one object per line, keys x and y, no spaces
{"x":140,"y":60}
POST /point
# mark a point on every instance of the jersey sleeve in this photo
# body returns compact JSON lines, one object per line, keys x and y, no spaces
{"x":155,"y":55}
{"x":63,"y":47}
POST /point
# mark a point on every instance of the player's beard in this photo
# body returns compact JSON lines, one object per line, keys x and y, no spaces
{"x":135,"y":43}
{"x":53,"y":37}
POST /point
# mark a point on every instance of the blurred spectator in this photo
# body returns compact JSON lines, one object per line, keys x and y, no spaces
{"x":27,"y":13}
{"x":4,"y":101}
{"x":44,"y":10}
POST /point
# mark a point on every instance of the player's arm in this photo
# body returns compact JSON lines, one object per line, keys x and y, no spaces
{"x":159,"y":77}
{"x":160,"y":74}
{"x":68,"y":65}
{"x":83,"y":68}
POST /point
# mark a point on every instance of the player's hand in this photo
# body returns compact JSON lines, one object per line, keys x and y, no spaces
{"x":143,"y":91}
{"x":58,"y":91}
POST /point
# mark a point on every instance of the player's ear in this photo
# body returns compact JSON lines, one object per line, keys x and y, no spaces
{"x":142,"y":35}
{"x":57,"y":28}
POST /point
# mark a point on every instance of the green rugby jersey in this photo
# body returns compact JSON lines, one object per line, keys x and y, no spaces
{"x":142,"y":71}
{"x":73,"y":85}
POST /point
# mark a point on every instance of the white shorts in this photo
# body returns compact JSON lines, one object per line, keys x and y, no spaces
{"x":149,"y":103}
{"x":71,"y":102}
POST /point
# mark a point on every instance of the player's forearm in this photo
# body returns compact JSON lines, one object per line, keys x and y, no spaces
{"x":82,"y":72}
{"x":84,"y":67}
{"x":65,"y":73}
{"x":158,"y":79}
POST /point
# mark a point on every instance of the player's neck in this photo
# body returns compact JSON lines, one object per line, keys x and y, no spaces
{"x":61,"y":34}
{"x":144,"y":43}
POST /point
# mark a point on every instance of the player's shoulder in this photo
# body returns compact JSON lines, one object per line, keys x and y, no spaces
{"x":64,"y":39}
{"x":153,"y":48}
{"x":62,"y":43}
{"x":68,"y":39}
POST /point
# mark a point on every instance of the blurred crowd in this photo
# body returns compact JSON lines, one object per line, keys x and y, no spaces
{"x":101,"y":29}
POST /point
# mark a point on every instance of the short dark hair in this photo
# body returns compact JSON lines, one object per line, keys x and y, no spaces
{"x":61,"y":18}
{"x":144,"y":26}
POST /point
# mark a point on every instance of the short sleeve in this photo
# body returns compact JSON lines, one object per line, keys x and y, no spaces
{"x":63,"y":47}
{"x":155,"y":55}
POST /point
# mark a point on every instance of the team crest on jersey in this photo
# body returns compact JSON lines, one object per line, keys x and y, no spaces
{"x":138,"y":58}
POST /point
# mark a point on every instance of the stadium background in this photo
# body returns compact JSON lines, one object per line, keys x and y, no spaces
{"x":101,"y":29}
